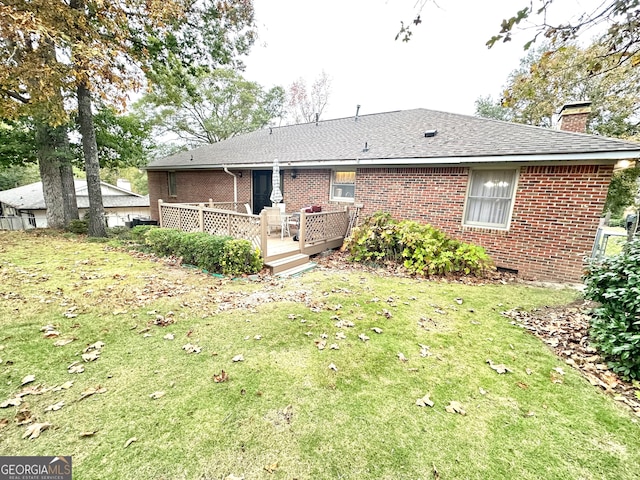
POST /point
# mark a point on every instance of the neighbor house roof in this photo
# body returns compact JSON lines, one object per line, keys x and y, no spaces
{"x":30,"y":197}
{"x":400,"y":138}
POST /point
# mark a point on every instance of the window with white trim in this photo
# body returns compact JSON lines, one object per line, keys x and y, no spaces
{"x":490,"y":198}
{"x":173,"y":188}
{"x":343,"y":186}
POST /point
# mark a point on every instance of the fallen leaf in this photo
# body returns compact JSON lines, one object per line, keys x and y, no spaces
{"x":12,"y":402}
{"x":189,"y":348}
{"x":63,"y":341}
{"x":156,"y":395}
{"x":401,"y":357}
{"x":92,"y":391}
{"x":523,"y":386}
{"x":271,"y":468}
{"x":363,"y":337}
{"x":436,"y":474}
{"x":55,"y":407}
{"x":321,"y":344}
{"x":94,"y":346}
{"x":500,"y":368}
{"x":28,"y":379}
{"x":459,"y":301}
{"x":424,"y":350}
{"x":340,"y":336}
{"x":23,"y":416}
{"x":559,"y":370}
{"x":233,"y":477}
{"x":169,"y":336}
{"x":333,"y":367}
{"x":130,"y":441}
{"x":90,"y":433}
{"x":482,"y":391}
{"x":530,"y":414}
{"x":334,"y":346}
{"x":75,"y":367}
{"x":258,"y":337}
{"x":238,"y":358}
{"x":377,"y":330}
{"x":221,"y":377}
{"x":529,"y":371}
{"x":425,"y":401}
{"x":3,"y":422}
{"x":34,"y":430}
{"x":324,"y":336}
{"x":91,"y":356}
{"x":455,"y":407}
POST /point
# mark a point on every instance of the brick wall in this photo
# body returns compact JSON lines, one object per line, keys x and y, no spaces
{"x":197,"y":186}
{"x":576,"y":122}
{"x":556,"y":212}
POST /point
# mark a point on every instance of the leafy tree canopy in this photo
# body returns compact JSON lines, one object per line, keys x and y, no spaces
{"x":200,"y":106}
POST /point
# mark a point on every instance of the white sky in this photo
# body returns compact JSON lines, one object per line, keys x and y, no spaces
{"x":446,"y":65}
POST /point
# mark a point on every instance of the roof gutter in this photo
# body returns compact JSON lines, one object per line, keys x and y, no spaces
{"x":235,"y":185}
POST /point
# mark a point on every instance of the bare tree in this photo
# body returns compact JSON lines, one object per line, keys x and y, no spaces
{"x":305,"y":107}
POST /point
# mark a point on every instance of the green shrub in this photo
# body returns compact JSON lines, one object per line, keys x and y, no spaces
{"x":164,"y":241}
{"x":614,"y":283}
{"x":215,"y":254}
{"x":139,"y":233}
{"x":239,"y":256}
{"x":78,"y":226}
{"x":423,"y":249}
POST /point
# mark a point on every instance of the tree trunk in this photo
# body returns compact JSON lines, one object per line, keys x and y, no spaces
{"x":57,"y":175}
{"x":96,"y":219}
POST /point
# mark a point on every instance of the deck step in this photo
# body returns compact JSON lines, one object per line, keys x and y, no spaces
{"x":282,"y":264}
{"x":299,"y":270}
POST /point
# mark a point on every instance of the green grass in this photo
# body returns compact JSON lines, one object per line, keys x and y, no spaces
{"x":283,"y":404}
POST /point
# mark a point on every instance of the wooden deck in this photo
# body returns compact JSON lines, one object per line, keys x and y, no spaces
{"x":276,"y":246}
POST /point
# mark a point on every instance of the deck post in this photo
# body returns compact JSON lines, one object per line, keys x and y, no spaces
{"x":263,"y":233}
{"x":160,"y":212}
{"x":201,"y":216}
{"x":211,"y":203}
{"x":302,"y":230}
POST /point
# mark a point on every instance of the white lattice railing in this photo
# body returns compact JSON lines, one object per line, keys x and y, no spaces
{"x":200,"y":218}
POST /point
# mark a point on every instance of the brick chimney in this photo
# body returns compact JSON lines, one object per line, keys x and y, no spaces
{"x":574,"y":116}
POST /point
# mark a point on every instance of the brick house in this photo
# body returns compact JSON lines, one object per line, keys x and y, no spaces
{"x":531,"y":196}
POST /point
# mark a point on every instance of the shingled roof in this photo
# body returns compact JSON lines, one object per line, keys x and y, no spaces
{"x":398,"y":138}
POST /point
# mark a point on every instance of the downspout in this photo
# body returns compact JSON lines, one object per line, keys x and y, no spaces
{"x":235,"y":186}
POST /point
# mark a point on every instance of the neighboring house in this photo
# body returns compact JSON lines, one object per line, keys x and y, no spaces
{"x":24,"y":207}
{"x":531,"y":196}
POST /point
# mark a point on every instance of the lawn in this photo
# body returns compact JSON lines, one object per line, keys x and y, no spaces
{"x":292,"y":405}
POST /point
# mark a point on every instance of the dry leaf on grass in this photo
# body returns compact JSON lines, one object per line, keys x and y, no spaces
{"x":189,"y":348}
{"x":169,"y":336}
{"x":34,"y":431}
{"x":55,"y":407}
{"x":401,"y":357}
{"x":333,"y":367}
{"x":334,"y":346}
{"x":424,"y":401}
{"x":130,"y":441}
{"x":377,"y":330}
{"x":3,"y":422}
{"x":63,"y":341}
{"x":75,"y":367}
{"x":91,"y":356}
{"x":89,"y":433}
{"x":23,"y":416}
{"x":363,"y":337}
{"x":424,"y":350}
{"x":94,"y":346}
{"x":156,"y":395}
{"x":271,"y":468}
{"x":320,"y":344}
{"x":28,"y":379}
{"x":459,"y":301}
{"x":499,"y":368}
{"x":559,"y":370}
{"x":482,"y":391}
{"x":340,"y":336}
{"x":12,"y":402}
{"x":238,"y":358}
{"x":92,"y":391}
{"x":455,"y":407}
{"x":221,"y":377}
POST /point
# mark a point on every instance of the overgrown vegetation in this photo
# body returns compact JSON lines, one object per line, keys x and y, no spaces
{"x":422,"y":249}
{"x":614,"y":283}
{"x":215,"y":254}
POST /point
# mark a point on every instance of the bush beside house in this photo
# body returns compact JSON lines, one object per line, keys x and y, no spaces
{"x":422,"y":249}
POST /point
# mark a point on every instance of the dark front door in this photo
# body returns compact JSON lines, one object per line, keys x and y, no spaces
{"x":261,"y":190}
{"x":262,"y":185}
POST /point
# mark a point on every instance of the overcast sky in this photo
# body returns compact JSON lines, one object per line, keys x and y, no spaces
{"x":446,"y":65}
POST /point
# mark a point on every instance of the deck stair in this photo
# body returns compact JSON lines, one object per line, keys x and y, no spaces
{"x":282,"y":263}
